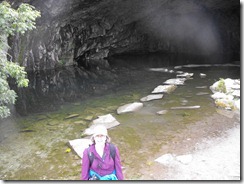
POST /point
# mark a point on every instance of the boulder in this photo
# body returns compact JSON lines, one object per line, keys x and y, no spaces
{"x":226,"y":93}
{"x":131,"y":107}
{"x":164,"y":89}
{"x":151,"y":97}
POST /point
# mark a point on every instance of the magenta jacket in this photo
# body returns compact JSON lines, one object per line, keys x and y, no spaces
{"x":101,"y":166}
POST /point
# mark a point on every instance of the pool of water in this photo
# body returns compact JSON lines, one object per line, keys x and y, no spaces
{"x":33,"y":147}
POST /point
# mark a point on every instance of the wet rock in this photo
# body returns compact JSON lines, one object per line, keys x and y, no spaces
{"x":131,"y":107}
{"x":151,"y":97}
{"x":164,"y":89}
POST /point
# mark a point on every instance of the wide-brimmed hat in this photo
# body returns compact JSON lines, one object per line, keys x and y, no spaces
{"x":100,"y":130}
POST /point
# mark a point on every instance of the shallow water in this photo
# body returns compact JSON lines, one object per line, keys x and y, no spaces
{"x":34,"y":147}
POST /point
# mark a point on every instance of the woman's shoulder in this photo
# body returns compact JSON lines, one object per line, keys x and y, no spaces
{"x":89,"y":148}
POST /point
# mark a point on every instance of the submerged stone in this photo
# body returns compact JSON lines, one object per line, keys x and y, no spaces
{"x":71,"y":116}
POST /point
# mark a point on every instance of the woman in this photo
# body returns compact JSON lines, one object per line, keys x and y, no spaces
{"x":102,"y":166}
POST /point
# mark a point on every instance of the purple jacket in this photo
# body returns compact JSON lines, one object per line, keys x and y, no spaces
{"x":101,"y":166}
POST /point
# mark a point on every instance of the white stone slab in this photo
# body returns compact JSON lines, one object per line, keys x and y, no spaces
{"x":164,"y":89}
{"x":79,"y":145}
{"x":151,"y":97}
{"x":186,"y":107}
{"x":185,"y":75}
{"x":176,"y":81}
{"x":165,"y":159}
{"x":107,"y":120}
{"x":131,"y":107}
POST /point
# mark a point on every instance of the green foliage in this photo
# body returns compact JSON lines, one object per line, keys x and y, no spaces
{"x":11,"y":22}
{"x":221,"y":86}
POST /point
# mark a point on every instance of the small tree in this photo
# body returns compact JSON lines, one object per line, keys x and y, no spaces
{"x":11,"y":22}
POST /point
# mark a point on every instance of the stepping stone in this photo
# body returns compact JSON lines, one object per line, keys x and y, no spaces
{"x":164,"y":89}
{"x":165,"y":159}
{"x":186,"y":107}
{"x":79,"y":145}
{"x":162,"y":112}
{"x":151,"y":97}
{"x":131,"y":107}
{"x":176,"y":81}
{"x":107,"y":120}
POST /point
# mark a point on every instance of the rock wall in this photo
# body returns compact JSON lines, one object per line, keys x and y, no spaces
{"x":74,"y":32}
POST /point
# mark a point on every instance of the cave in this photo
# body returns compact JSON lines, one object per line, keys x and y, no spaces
{"x":76,"y":32}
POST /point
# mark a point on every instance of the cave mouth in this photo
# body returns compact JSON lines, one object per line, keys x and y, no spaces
{"x":76,"y":32}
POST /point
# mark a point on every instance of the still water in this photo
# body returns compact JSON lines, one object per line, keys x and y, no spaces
{"x":34,"y":140}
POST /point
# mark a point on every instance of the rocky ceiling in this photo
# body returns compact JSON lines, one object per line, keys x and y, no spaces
{"x":71,"y":31}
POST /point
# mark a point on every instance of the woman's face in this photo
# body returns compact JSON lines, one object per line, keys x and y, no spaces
{"x":100,"y":139}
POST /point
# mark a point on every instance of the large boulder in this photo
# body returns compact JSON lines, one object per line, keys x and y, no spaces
{"x":226,"y":93}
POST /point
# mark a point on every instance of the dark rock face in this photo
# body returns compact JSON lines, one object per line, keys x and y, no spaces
{"x":76,"y":31}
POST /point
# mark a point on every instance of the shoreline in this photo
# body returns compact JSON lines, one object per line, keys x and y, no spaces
{"x":214,"y":152}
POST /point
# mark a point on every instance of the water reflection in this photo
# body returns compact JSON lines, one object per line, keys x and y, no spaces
{"x":49,"y":89}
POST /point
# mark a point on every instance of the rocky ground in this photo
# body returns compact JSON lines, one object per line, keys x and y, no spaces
{"x":207,"y":150}
{"x":211,"y":153}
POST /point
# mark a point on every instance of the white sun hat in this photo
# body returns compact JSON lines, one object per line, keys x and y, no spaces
{"x":100,"y":130}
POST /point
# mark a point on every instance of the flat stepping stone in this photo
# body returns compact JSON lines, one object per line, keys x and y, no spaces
{"x":131,"y":107}
{"x":162,"y":112}
{"x":185,"y":75}
{"x":151,"y":97}
{"x":107,"y":120}
{"x":164,"y":89}
{"x":79,"y":145}
{"x":186,"y":107}
{"x":176,"y":81}
{"x":165,"y":159}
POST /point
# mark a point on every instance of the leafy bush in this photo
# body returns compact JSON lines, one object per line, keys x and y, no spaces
{"x":11,"y":22}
